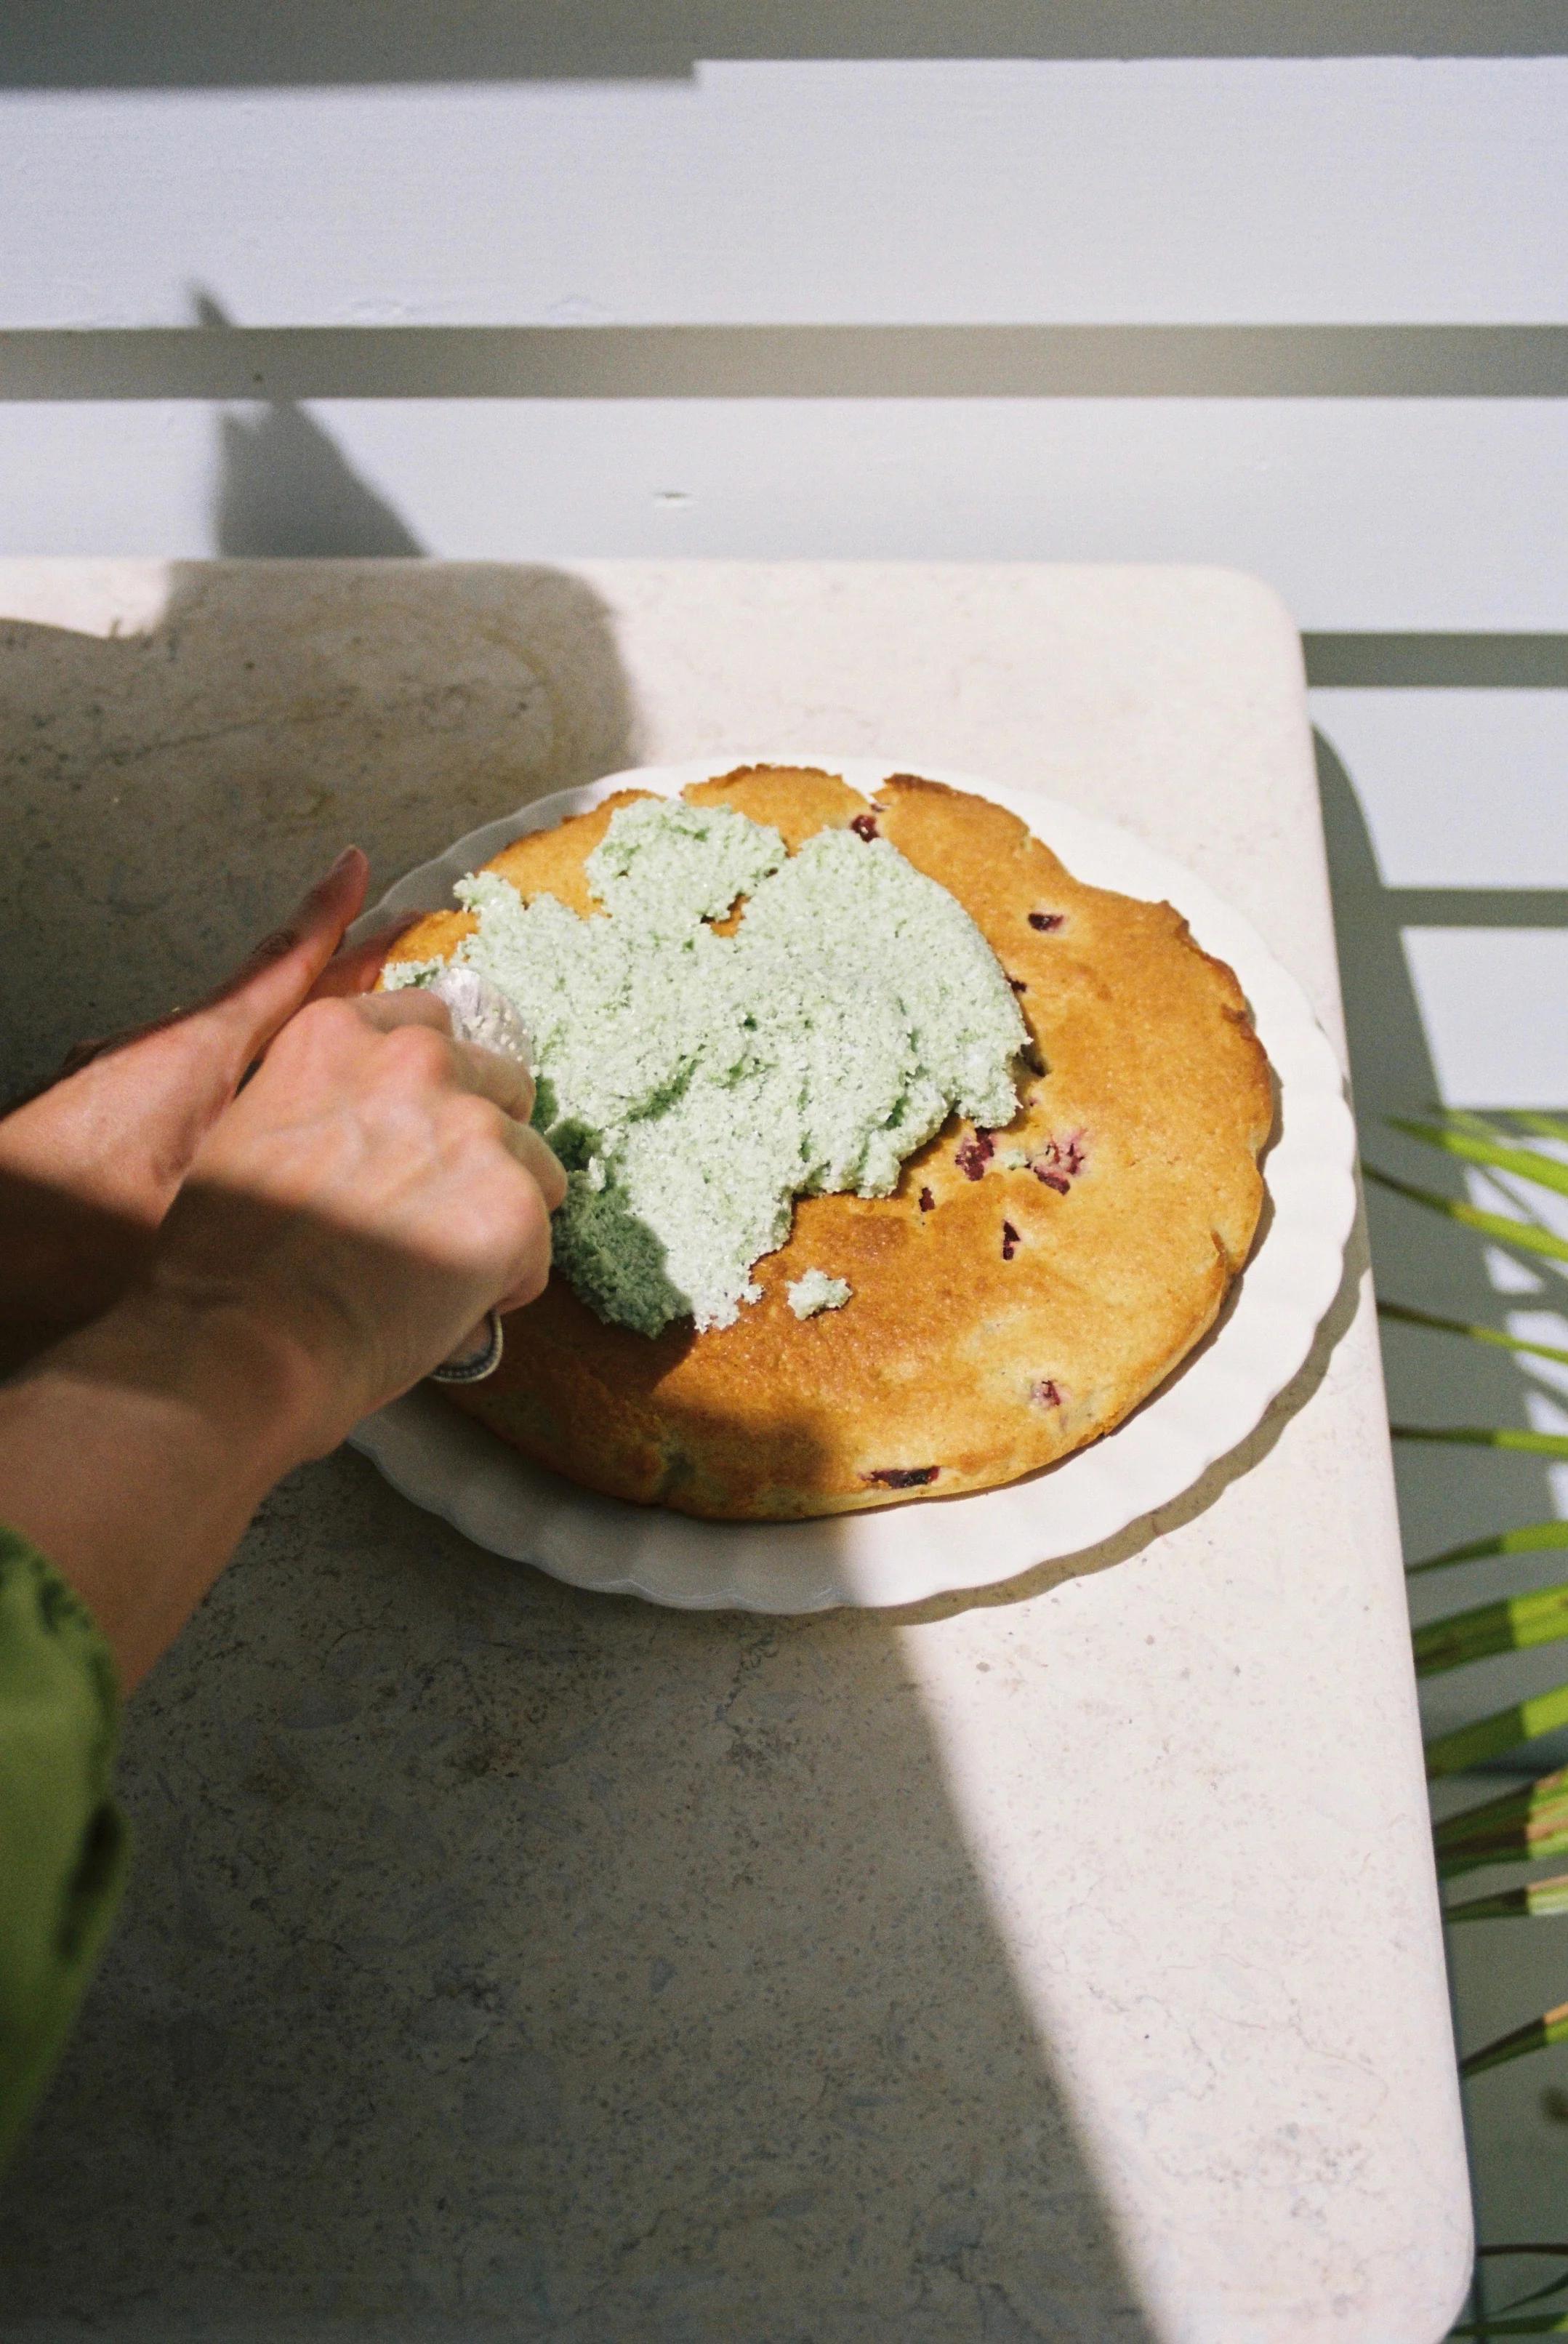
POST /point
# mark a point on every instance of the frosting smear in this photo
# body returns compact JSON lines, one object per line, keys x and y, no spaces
{"x":695,"y":1084}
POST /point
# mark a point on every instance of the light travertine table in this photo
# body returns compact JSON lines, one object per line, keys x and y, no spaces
{"x":503,"y":1962}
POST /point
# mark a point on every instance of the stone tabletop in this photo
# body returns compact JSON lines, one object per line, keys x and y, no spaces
{"x":505,"y":1961}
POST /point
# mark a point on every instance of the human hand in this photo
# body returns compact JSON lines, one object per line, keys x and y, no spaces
{"x":368,"y":1196}
{"x":89,"y":1167}
{"x":371,"y":1194}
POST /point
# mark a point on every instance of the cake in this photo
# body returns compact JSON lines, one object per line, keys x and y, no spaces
{"x":1020,"y":1207}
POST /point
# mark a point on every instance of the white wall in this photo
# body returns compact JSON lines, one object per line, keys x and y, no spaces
{"x":1222,"y":190}
{"x":1226,"y":190}
{"x":1322,"y":192}
{"x":1319,"y":192}
{"x":1328,"y":193}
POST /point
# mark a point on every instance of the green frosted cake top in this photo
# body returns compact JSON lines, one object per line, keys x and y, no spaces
{"x":694,"y":1085}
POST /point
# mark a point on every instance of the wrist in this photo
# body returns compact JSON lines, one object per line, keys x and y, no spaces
{"x":134,"y":1454}
{"x":211,"y":1357}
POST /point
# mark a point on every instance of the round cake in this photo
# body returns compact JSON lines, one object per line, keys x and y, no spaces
{"x":1025,"y":1284}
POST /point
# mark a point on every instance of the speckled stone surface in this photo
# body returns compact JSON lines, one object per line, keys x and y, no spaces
{"x":503,"y":1962}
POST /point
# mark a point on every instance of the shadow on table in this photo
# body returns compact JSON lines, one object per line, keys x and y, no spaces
{"x":499,"y":1959}
{"x":170,"y":788}
{"x":498,"y":1955}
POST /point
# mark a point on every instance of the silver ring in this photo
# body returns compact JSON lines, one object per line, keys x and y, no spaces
{"x":472,"y":1367}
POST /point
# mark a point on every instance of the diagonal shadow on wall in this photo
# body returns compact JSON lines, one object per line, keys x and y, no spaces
{"x":1446,"y":1494}
{"x":285,"y":489}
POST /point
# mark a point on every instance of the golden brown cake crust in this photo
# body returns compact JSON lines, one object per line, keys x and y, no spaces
{"x":1000,"y":1316}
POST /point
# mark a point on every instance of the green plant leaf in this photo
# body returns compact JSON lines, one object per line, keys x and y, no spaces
{"x":1487,"y":1436}
{"x":1529,"y":1539}
{"x":1537,"y":2035}
{"x":1505,"y":1342}
{"x":1554,"y":2246}
{"x":1526,"y":1163}
{"x":1522,"y":1826}
{"x":1463,"y":1119}
{"x":1519,"y":1846}
{"x":1488,"y":1737}
{"x":1542,"y":1127}
{"x":1547,"y":1791}
{"x":1516,"y":1624}
{"x":1528,"y":1235}
{"x":1481,"y":1856}
{"x":1538,"y":1900}
{"x":1534,"y":2323}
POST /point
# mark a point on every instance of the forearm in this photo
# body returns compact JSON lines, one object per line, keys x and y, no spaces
{"x":134,"y":1454}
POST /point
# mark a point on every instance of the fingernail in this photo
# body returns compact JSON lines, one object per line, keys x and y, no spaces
{"x":349,"y":855}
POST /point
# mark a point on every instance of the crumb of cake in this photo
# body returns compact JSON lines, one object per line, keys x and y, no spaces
{"x":817,"y":1292}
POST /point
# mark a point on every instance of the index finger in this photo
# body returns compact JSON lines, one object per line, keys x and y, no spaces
{"x":354,"y":968}
{"x":231,"y":1026}
{"x":268,"y":988}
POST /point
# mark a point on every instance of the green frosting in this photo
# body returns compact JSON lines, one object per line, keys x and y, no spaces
{"x":694,"y":1085}
{"x":817,"y":1292}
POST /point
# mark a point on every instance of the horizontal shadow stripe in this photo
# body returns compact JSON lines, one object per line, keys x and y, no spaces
{"x":196,"y":43}
{"x":1478,"y":907}
{"x":788,"y":363}
{"x":1438,"y":663}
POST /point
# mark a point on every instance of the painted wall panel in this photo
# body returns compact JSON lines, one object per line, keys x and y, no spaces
{"x":1375,"y":514}
{"x":1226,"y":190}
{"x":1459,"y":789}
{"x":1491,"y":1001}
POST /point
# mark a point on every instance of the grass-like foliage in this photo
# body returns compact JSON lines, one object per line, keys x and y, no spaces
{"x":1530,"y":1823}
{"x":1533,"y":2323}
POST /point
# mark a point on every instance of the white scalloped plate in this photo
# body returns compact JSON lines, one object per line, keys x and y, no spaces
{"x":449,"y":1464}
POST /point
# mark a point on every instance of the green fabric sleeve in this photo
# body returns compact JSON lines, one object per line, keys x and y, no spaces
{"x":62,"y":1839}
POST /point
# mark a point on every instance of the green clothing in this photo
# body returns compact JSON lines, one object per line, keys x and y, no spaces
{"x":62,"y":1839}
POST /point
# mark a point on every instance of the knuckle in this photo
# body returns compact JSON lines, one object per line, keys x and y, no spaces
{"x":418,"y":1054}
{"x":321,"y":1025}
{"x":513,"y":1214}
{"x":327,"y":1013}
{"x":530,"y":1256}
{"x":532,"y":1280}
{"x":472,"y":1122}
